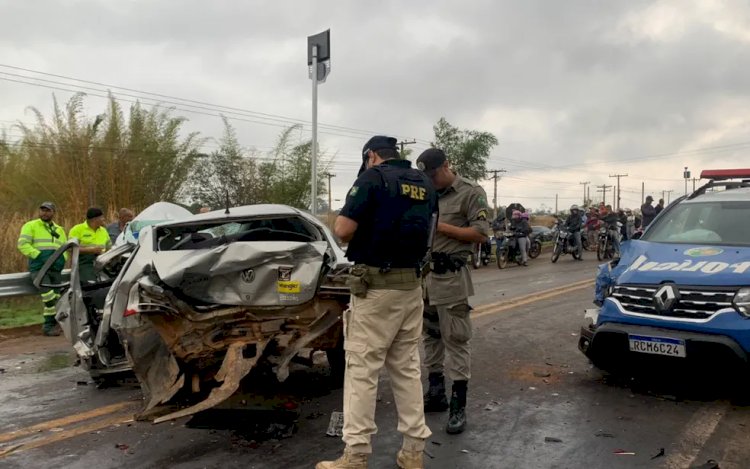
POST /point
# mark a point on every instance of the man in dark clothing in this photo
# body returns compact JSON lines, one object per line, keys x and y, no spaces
{"x":387,"y":222}
{"x":648,"y":212}
{"x":574,"y":224}
{"x":610,"y":220}
{"x":659,"y":206}
{"x":623,"y":219}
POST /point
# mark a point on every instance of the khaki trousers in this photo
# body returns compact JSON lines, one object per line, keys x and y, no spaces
{"x":447,"y":340}
{"x":383,"y":329}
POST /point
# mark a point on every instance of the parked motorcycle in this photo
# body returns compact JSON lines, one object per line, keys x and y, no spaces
{"x":535,"y":247}
{"x":507,"y":249}
{"x":481,"y":254}
{"x":565,"y":243}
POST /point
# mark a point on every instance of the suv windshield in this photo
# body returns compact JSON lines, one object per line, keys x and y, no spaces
{"x":725,"y":223}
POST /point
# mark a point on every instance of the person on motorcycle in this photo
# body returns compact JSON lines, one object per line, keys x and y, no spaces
{"x":630,"y":224}
{"x":573,"y":225}
{"x":623,"y":219}
{"x":610,"y":220}
{"x":521,"y":230}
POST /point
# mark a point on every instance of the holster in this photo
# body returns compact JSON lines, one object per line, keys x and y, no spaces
{"x":357,"y":281}
{"x":443,"y":263}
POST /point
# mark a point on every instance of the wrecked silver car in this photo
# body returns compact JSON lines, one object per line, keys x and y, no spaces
{"x":196,"y":304}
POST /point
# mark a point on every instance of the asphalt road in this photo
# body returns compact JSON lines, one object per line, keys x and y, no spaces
{"x":534,"y":402}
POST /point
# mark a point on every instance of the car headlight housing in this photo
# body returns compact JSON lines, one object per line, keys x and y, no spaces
{"x":741,"y":302}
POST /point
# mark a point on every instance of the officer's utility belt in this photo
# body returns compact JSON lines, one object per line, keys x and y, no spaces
{"x":442,"y":262}
{"x":365,"y":277}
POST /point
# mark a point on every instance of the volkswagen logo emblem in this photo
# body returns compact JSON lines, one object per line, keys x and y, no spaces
{"x":666,"y":298}
{"x":248,"y":275}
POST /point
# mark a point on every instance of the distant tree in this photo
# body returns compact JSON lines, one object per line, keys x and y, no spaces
{"x":226,"y":175}
{"x":467,"y":150}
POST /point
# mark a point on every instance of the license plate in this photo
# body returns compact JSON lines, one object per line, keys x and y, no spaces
{"x":657,"y":345}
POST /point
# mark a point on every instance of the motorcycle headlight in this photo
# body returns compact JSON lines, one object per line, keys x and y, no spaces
{"x":741,"y":302}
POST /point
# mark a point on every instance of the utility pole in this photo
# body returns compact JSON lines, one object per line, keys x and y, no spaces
{"x":584,"y":184}
{"x":318,"y":61}
{"x":330,"y":208}
{"x":495,"y":177}
{"x":668,"y":194}
{"x":403,"y":143}
{"x":694,"y":179}
{"x":604,"y":188}
{"x":618,"y":176}
{"x":643,"y":192}
{"x":556,"y":211}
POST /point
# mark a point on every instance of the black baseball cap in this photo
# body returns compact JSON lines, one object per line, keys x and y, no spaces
{"x":47,"y":205}
{"x":431,"y":159}
{"x":379,"y":142}
{"x":93,"y":212}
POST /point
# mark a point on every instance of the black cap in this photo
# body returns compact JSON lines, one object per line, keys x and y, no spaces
{"x":379,"y":142}
{"x":47,"y":205}
{"x":93,"y":212}
{"x":648,"y":197}
{"x":431,"y":159}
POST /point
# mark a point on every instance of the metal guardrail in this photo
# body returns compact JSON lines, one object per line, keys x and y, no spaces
{"x":20,"y":284}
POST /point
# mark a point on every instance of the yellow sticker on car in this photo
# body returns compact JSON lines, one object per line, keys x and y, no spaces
{"x":292,"y":286}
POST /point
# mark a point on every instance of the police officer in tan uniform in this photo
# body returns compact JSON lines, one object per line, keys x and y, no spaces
{"x":447,"y":325}
{"x":387,"y":220}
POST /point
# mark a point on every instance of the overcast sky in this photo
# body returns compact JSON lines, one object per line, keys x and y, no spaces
{"x":574,"y":90}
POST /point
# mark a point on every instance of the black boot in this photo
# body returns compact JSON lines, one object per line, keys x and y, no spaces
{"x":434,"y":399}
{"x":50,"y":327}
{"x":457,"y":418}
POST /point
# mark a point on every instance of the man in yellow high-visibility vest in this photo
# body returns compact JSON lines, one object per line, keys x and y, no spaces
{"x":93,"y":239}
{"x":38,"y":240}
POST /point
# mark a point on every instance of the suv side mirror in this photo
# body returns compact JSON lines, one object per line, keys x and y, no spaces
{"x":637,"y":235}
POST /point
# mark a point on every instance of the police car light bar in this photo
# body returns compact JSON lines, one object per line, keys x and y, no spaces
{"x":722,"y":174}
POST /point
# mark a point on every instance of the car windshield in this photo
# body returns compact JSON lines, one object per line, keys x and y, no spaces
{"x":209,"y":234}
{"x":726,"y":223}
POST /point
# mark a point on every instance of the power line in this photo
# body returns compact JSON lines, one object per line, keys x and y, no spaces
{"x":495,"y":177}
{"x":185,"y":101}
{"x":604,"y":188}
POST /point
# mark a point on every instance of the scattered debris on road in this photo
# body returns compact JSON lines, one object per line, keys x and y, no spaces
{"x":549,"y":439}
{"x":622,"y":452}
{"x":601,"y":434}
{"x":542,"y":374}
{"x":659,"y":454}
{"x":336,"y":424}
{"x":492,"y":406}
{"x":122,"y":446}
{"x":710,"y":464}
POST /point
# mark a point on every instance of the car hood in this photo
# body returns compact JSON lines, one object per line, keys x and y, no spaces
{"x":644,"y":262}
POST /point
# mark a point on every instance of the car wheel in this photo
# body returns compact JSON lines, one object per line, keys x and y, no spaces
{"x":337,"y":364}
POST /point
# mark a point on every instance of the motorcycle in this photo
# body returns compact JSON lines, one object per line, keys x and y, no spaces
{"x":507,"y":249}
{"x":605,"y":248}
{"x":564,"y":244}
{"x":481,"y":254}
{"x":535,"y":247}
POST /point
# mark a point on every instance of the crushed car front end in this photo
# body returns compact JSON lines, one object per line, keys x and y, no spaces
{"x":206,"y":300}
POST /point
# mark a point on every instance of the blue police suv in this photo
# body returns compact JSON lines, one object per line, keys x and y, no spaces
{"x":680,"y":294}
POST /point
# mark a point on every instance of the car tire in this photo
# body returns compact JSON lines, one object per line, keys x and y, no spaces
{"x":337,"y":364}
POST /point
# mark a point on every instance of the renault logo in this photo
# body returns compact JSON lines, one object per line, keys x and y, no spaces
{"x":666,"y":297}
{"x":248,"y":275}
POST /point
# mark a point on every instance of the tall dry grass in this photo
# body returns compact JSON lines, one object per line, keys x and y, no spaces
{"x":11,"y":259}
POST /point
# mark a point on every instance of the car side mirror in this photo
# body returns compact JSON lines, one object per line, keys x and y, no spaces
{"x":637,"y":235}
